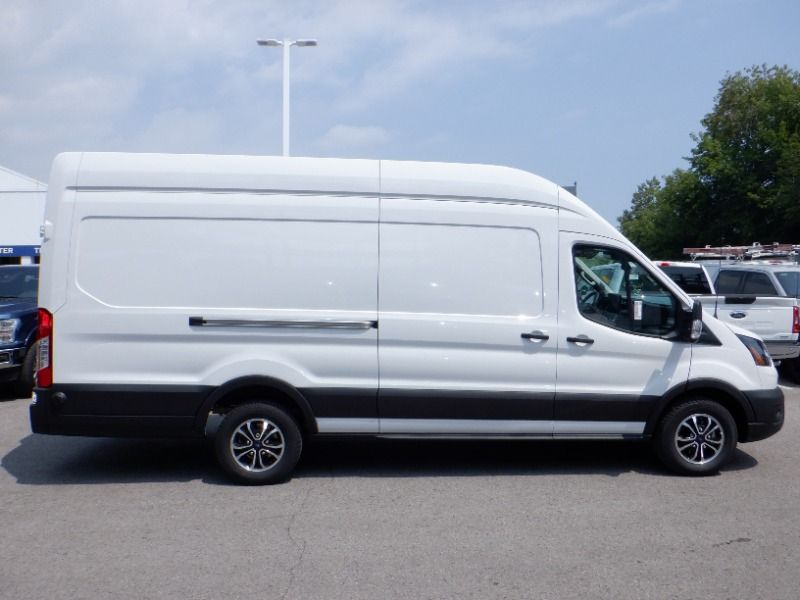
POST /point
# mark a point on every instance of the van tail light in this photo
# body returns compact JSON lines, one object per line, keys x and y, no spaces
{"x":796,"y":320}
{"x":44,"y":355}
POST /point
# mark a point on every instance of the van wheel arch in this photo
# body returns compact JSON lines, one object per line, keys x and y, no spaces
{"x":246,"y":390}
{"x":716,"y":391}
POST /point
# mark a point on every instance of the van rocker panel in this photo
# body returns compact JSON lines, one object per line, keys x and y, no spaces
{"x":181,"y":410}
{"x":465,"y":404}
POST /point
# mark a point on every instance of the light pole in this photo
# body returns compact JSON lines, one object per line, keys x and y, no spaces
{"x":286,"y":45}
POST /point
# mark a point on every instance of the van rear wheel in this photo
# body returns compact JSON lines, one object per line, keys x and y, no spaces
{"x":258,"y":443}
{"x":696,"y":437}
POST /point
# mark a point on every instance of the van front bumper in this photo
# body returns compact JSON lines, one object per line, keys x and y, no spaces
{"x":768,"y":406}
{"x":10,"y":363}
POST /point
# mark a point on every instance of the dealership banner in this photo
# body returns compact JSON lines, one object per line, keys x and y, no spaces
{"x":19,"y":251}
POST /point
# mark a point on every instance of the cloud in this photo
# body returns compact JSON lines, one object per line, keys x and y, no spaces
{"x":642,"y":11}
{"x":179,"y":130}
{"x":6,"y":104}
{"x":344,"y":138}
{"x":445,"y":41}
{"x":130,"y":74}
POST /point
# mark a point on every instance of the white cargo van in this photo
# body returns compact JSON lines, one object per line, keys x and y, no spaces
{"x":298,"y":297}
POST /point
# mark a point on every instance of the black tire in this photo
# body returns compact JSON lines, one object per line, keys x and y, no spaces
{"x":696,"y":437}
{"x":791,"y":369}
{"x":258,"y":444}
{"x":27,"y":373}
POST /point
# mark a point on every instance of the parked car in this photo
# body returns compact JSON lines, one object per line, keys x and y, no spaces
{"x":760,"y":278}
{"x":691,"y":276}
{"x":777,"y":279}
{"x":18,"y":290}
{"x":750,"y":305}
{"x":297,"y":297}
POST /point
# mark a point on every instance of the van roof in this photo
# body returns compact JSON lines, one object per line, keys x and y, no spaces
{"x":335,"y":176}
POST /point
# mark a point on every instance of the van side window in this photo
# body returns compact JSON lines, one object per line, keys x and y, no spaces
{"x":615,"y":290}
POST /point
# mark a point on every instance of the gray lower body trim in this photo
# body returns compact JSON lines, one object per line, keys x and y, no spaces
{"x":592,"y":428}
{"x":482,"y":427}
{"x":466,"y":426}
{"x":326,"y":425}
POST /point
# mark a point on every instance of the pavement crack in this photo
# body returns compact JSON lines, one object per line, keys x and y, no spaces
{"x":729,"y":542}
{"x":299,"y":543}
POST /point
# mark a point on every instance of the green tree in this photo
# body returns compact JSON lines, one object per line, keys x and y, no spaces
{"x":743,"y":182}
{"x":638,"y":221}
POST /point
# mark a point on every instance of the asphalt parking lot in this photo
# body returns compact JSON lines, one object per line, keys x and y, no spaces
{"x":100,"y":518}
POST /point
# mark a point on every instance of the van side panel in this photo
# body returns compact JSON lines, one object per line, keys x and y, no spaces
{"x":190,"y":290}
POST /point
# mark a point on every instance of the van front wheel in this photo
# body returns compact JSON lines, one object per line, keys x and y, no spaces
{"x":258,"y":443}
{"x":696,"y":438}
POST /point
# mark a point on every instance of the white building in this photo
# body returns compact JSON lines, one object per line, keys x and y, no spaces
{"x":21,"y":216}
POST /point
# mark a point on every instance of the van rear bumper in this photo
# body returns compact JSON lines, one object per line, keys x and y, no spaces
{"x":768,"y":406}
{"x":117,"y":411}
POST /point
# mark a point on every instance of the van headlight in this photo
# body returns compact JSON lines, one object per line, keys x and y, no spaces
{"x":8,"y":330}
{"x":757,"y":350}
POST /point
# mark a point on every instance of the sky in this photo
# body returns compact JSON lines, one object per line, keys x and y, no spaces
{"x":603,"y":92}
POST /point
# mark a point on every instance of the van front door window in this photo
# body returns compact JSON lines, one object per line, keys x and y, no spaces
{"x":615,"y":290}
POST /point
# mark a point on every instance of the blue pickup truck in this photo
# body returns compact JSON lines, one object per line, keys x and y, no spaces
{"x":19,"y":286}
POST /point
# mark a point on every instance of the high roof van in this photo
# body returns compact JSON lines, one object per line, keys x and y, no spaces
{"x":300,"y":297}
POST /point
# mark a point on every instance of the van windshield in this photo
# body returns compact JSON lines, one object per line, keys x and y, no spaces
{"x":790,"y":282}
{"x":19,"y":282}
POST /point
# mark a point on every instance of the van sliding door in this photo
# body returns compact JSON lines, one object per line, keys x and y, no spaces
{"x":467,"y":310}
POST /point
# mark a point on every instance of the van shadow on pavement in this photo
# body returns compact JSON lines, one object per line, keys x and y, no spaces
{"x":53,"y":460}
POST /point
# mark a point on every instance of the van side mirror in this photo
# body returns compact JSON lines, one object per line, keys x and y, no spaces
{"x":690,"y":322}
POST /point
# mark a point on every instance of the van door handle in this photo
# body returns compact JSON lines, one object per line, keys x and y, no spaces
{"x":535,"y":335}
{"x":581,"y":339}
